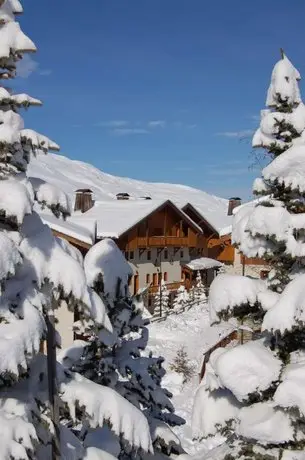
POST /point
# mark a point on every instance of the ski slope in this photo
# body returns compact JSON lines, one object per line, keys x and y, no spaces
{"x":69,"y":175}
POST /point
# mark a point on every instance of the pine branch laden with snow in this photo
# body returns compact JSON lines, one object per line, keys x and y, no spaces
{"x":256,"y":389}
{"x":38,"y":272}
{"x":101,"y":263}
{"x":102,"y":405}
{"x":283,"y":123}
{"x":236,"y":296}
{"x":123,"y":365}
{"x":274,"y":228}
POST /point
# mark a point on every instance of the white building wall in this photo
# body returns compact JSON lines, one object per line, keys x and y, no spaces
{"x":65,"y":321}
{"x":171,"y":265}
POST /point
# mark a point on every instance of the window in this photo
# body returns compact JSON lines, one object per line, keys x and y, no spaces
{"x":165,"y":276}
{"x":126,"y":255}
{"x":165,"y":254}
{"x":131,"y":255}
{"x":181,"y":254}
{"x":159,"y":278}
{"x":148,"y":255}
{"x":148,"y":278}
{"x":198,"y":252}
{"x":155,"y":279}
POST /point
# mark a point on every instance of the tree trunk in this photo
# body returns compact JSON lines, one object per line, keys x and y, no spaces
{"x":52,"y":382}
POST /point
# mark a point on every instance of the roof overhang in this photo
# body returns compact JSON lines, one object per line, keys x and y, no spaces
{"x":200,"y":216}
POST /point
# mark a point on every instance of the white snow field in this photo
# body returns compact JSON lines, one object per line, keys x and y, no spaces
{"x":69,"y":175}
{"x":191,"y":330}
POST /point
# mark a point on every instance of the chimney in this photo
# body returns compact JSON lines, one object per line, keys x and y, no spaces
{"x":123,"y":196}
{"x":83,"y":200}
{"x":233,"y":203}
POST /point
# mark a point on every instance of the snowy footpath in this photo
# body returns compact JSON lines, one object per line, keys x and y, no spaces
{"x":191,"y":330}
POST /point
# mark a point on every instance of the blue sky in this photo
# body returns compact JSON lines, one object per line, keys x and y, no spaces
{"x":160,"y":90}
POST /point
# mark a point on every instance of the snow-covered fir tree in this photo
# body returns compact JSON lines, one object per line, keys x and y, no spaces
{"x":121,"y":361}
{"x":253,"y":393}
{"x":199,"y":290}
{"x":38,"y":273}
{"x":161,"y":301}
{"x":283,"y":122}
{"x":181,"y":300}
{"x":284,"y":197}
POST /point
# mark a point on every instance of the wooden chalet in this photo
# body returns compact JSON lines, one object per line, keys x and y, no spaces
{"x":219,"y":243}
{"x":156,"y":238}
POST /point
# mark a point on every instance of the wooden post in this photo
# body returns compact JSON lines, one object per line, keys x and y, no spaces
{"x":52,"y":381}
{"x":243,"y":264}
{"x":242,"y":333}
{"x":160,"y":255}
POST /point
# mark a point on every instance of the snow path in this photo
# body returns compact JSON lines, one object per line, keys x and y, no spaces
{"x":190,"y":329}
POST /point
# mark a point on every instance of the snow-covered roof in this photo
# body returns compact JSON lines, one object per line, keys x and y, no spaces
{"x":216,"y":216}
{"x":84,"y":231}
{"x":116,"y":217}
{"x":71,"y":175}
{"x":203,"y":263}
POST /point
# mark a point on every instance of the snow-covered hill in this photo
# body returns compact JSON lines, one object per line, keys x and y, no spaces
{"x":70,"y":175}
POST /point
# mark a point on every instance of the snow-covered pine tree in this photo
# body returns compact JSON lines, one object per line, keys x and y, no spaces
{"x":199,"y":290}
{"x":161,"y":302}
{"x":255,"y":391}
{"x":283,"y":122}
{"x":282,"y":196}
{"x":123,"y":363}
{"x":181,"y":300}
{"x":38,"y":272}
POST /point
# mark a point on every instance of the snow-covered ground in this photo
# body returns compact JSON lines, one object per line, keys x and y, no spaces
{"x":69,"y":175}
{"x":191,"y":330}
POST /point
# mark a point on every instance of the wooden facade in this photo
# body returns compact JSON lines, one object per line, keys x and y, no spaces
{"x":218,"y":247}
{"x":165,"y":227}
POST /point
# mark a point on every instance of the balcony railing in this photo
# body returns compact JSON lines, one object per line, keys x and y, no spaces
{"x":160,"y":241}
{"x":170,"y":286}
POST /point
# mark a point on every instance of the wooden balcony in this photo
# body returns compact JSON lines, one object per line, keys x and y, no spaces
{"x":162,"y":241}
{"x":170,"y":287}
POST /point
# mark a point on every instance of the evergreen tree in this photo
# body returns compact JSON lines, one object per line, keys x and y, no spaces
{"x":39,"y":404}
{"x":124,"y":364}
{"x":181,"y":300}
{"x":283,"y":122}
{"x":288,"y":117}
{"x":255,"y":390}
{"x":161,"y":302}
{"x":199,"y":290}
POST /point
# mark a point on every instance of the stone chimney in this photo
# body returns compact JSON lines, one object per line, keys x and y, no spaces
{"x":233,"y":203}
{"x":83,"y":200}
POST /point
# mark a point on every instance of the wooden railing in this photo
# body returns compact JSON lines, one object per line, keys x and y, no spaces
{"x":161,"y":241}
{"x":170,"y":287}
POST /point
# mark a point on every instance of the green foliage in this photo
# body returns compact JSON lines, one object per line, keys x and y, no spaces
{"x":182,"y":366}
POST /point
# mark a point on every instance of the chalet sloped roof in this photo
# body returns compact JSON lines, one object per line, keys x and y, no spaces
{"x":83,"y":231}
{"x":216,"y":217}
{"x":114,"y":218}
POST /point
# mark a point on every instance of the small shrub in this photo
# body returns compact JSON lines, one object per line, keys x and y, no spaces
{"x":182,"y":366}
